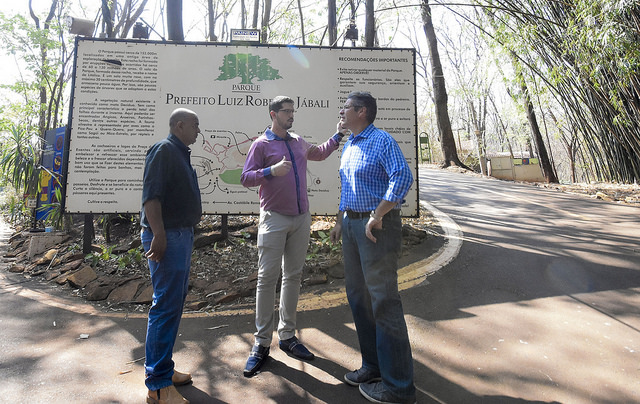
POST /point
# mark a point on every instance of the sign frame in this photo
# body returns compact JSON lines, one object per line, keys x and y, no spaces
{"x":123,"y":91}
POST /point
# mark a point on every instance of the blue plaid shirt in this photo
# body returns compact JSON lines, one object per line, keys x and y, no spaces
{"x":372,"y":168}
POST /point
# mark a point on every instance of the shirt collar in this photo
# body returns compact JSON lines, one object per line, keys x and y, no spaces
{"x":272,"y":136}
{"x":365,"y":133}
{"x":176,"y":141}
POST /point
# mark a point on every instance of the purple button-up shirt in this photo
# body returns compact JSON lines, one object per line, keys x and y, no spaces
{"x":286,"y":194}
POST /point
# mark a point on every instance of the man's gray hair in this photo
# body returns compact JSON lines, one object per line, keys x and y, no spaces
{"x":365,"y":99}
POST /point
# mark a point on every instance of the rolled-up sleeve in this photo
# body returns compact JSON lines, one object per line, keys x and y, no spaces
{"x":400,"y":176}
{"x":154,"y":174}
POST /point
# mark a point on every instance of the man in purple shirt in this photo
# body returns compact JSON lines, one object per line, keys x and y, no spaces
{"x":277,"y":162}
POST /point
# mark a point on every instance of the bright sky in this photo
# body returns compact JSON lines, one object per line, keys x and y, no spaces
{"x":193,"y":22}
{"x":194,"y":13}
{"x":9,"y":71}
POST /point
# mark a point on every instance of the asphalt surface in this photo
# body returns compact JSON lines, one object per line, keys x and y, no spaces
{"x":534,"y":298}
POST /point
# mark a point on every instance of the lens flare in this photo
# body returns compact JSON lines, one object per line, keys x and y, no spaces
{"x":298,"y":56}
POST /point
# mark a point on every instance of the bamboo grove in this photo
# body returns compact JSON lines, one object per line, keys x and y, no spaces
{"x":588,"y":53}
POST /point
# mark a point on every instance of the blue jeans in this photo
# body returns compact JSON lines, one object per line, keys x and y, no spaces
{"x":371,"y":280}
{"x":170,"y":279}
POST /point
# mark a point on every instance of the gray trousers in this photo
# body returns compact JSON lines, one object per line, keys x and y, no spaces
{"x":282,"y":248}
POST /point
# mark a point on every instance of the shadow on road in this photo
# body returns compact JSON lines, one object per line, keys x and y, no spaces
{"x":540,"y":306}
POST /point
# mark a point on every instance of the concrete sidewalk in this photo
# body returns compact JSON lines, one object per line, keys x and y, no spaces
{"x":44,"y":359}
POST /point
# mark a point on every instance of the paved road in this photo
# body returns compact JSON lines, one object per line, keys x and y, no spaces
{"x":540,"y":305}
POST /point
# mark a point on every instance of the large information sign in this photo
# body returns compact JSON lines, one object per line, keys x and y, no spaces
{"x":125,"y":90}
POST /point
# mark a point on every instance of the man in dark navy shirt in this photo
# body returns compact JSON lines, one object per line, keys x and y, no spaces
{"x":171,"y":206}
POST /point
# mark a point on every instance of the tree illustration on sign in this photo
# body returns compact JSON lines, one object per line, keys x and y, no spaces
{"x":247,"y":67}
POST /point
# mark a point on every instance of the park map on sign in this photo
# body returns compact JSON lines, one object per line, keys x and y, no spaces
{"x":223,"y":156}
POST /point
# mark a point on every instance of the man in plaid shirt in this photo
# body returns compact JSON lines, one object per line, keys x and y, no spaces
{"x":375,"y":178}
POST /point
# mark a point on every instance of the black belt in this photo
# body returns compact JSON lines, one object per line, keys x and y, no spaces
{"x":365,"y":215}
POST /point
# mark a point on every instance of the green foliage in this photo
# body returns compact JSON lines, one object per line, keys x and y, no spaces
{"x":55,"y":215}
{"x":133,"y":257}
{"x":247,"y":67}
{"x":12,"y":206}
{"x":323,"y":244}
{"x":285,"y":27}
{"x":246,"y":236}
{"x":587,"y":53}
{"x":37,"y":45}
{"x":106,"y":253}
{"x":19,"y":160}
{"x":97,"y":258}
{"x":41,"y":52}
{"x":93,"y":259}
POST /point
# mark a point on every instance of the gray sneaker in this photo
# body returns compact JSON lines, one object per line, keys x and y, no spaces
{"x":361,"y":375}
{"x":377,"y":393}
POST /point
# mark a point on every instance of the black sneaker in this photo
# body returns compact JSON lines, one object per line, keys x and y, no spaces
{"x":361,"y":375}
{"x":257,"y":358}
{"x":294,"y":347}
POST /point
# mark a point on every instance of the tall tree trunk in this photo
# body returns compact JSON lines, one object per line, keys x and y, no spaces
{"x":370,"y":25}
{"x":107,"y":18}
{"x":478,"y":119}
{"x":502,"y":126}
{"x":545,"y":163}
{"x":509,"y":145}
{"x":174,"y":20}
{"x":440,"y":93}
{"x":572,"y":161}
{"x":332,"y":24}
{"x":256,"y":12}
{"x":266,"y":15}
{"x":482,"y":156}
{"x":243,"y":18}
{"x":128,"y":17}
{"x":212,"y":21}
{"x":570,"y":143}
{"x":530,"y":151}
{"x":301,"y":22}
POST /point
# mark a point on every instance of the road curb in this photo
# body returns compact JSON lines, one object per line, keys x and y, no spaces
{"x":408,"y":276}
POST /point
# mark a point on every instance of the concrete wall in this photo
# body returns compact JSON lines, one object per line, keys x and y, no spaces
{"x":506,"y":168}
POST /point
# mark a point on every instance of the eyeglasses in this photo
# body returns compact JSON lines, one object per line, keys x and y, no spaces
{"x":288,"y":111}
{"x":350,"y":106}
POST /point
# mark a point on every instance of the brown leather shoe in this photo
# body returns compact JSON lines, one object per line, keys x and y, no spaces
{"x":167,"y":395}
{"x":180,"y":378}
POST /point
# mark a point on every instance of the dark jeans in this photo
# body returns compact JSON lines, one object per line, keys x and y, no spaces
{"x":372,"y":289}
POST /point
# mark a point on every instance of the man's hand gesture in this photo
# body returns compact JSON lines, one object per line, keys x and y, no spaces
{"x":281,"y":168}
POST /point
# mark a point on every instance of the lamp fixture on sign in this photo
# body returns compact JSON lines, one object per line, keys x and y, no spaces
{"x":78,"y":26}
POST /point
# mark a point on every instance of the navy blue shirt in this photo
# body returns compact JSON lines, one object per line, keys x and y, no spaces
{"x":170,"y":178}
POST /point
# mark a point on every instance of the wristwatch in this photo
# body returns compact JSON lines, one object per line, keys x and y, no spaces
{"x":374,"y":217}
